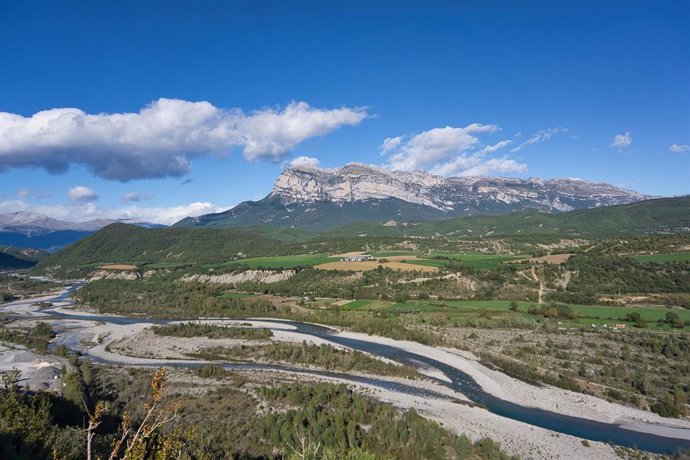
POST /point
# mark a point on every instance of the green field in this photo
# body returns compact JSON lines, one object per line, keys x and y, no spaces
{"x":479,"y":261}
{"x":467,"y":309}
{"x":394,"y":253}
{"x":475,"y":260}
{"x":357,"y":304}
{"x":663,"y":258}
{"x":284,"y":261}
{"x":427,"y":262}
{"x":487,"y":304}
{"x":647,"y":313}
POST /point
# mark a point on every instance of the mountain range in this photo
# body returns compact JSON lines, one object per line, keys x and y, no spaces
{"x":186,"y":248}
{"x":24,"y":229}
{"x":321,"y":199}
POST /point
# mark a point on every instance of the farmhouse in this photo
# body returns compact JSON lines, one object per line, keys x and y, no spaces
{"x":359,"y":258}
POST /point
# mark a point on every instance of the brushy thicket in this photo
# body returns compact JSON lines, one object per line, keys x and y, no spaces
{"x":212,"y":331}
{"x":307,"y":354}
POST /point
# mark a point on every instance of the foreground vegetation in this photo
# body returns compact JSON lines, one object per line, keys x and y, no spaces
{"x":301,"y":421}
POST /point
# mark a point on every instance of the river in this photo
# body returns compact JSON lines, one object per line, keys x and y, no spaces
{"x":459,"y":381}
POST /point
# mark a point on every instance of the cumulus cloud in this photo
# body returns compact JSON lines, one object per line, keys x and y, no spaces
{"x":83,"y":194}
{"x":621,"y":141}
{"x":302,"y":161}
{"x":135,"y":197}
{"x":679,"y":148}
{"x":80,"y":212}
{"x":539,"y":137}
{"x":162,"y":138}
{"x":450,"y":151}
{"x":431,"y":147}
{"x":390,"y":143}
{"x":477,"y":165}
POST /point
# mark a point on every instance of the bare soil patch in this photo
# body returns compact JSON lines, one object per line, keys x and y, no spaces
{"x":118,"y":267}
{"x":349,"y":254}
{"x":555,"y":259}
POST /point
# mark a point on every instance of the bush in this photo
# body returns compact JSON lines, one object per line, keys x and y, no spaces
{"x":211,"y":371}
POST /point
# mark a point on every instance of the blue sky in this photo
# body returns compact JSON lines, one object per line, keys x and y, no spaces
{"x":596,"y":90}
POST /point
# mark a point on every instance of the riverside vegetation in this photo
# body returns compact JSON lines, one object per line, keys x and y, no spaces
{"x":320,"y":356}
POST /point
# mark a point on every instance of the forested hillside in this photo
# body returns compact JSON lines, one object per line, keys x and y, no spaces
{"x":663,"y":215}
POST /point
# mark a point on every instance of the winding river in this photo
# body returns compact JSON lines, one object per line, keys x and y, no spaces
{"x":459,"y":381}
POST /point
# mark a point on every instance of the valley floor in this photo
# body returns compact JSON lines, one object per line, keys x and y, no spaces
{"x":133,"y":344}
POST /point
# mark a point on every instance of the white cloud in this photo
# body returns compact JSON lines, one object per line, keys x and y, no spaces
{"x":135,"y":197}
{"x":539,"y":137}
{"x":390,"y":143}
{"x":302,"y":161}
{"x":83,"y":194}
{"x":163,"y":215}
{"x":476,"y":165}
{"x":450,"y":151}
{"x":679,"y":148}
{"x":270,"y":134}
{"x":436,"y":145}
{"x":495,"y":147}
{"x":621,"y":141}
{"x":162,"y":138}
{"x":80,"y":212}
{"x":24,"y":192}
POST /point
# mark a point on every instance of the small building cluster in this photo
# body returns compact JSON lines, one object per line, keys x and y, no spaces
{"x":359,"y":258}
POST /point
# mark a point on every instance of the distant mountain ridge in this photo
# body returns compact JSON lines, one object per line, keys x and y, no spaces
{"x":26,"y":229}
{"x":319,"y":199}
{"x":17,"y":258}
{"x":31,"y":223}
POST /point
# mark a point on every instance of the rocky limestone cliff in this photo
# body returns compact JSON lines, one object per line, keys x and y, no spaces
{"x":357,"y":182}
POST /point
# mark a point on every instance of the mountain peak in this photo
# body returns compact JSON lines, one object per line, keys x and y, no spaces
{"x":317,"y":198}
{"x":356,"y":182}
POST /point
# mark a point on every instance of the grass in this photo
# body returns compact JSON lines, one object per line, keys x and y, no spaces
{"x":664,"y":258}
{"x":591,"y":313}
{"x":426,"y":262}
{"x":284,"y":261}
{"x":468,"y":309}
{"x":647,"y":313}
{"x":394,"y":253}
{"x":357,"y":304}
{"x":480,"y":261}
{"x":487,"y":304}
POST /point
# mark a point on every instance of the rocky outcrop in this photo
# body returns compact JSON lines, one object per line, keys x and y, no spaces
{"x":259,"y":276}
{"x":358,"y":182}
{"x":322,"y":199}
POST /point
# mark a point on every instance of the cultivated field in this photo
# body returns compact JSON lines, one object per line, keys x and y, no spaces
{"x":124,"y":267}
{"x":550,"y":259}
{"x":284,"y":261}
{"x":663,"y":258}
{"x":373,"y":265}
